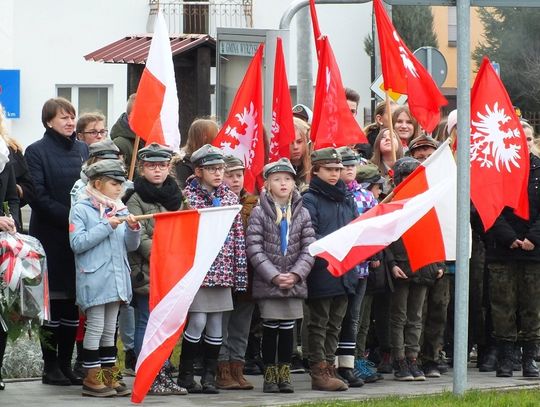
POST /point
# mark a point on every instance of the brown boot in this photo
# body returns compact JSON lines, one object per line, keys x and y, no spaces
{"x":237,"y":373}
{"x":322,"y":380}
{"x":224,"y":380}
{"x":93,"y":385}
{"x":111,"y":379}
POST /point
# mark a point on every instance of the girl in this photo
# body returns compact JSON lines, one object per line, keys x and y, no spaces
{"x":100,"y":243}
{"x":91,"y":128}
{"x":373,"y":129}
{"x":382,"y":156}
{"x":154,"y":191}
{"x":405,"y":126}
{"x":300,"y":151}
{"x":206,"y":189}
{"x":278,"y":237}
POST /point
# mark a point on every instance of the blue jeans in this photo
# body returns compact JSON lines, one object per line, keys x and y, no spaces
{"x":126,"y":326}
{"x":142,"y":312}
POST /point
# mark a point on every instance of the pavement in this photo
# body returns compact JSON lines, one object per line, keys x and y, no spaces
{"x":33,"y":393}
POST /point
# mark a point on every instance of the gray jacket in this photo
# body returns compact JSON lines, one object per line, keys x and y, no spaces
{"x":263,"y":248}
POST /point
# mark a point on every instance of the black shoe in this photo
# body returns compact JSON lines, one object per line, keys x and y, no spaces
{"x":186,"y":380}
{"x":505,"y":366}
{"x":385,"y":365}
{"x":349,"y":377}
{"x":2,"y":384}
{"x":54,"y":376}
{"x":130,"y":362}
{"x":252,"y":368}
{"x":527,"y":362}
{"x":431,"y":369}
{"x":489,"y":360}
{"x":403,"y":373}
{"x":296,"y":365}
{"x":208,"y":378}
{"x":416,"y":372}
{"x":78,"y":369}
{"x":74,"y":378}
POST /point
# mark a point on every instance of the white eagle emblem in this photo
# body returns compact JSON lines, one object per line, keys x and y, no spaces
{"x":407,"y":62}
{"x":495,"y":140}
{"x":240,"y":139}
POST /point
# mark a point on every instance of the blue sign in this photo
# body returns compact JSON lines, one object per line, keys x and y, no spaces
{"x":497,"y":67}
{"x":10,"y":92}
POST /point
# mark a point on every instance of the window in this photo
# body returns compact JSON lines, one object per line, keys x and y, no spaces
{"x":87,"y":98}
{"x":452,"y":26}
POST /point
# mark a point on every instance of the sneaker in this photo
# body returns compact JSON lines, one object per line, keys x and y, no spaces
{"x":170,"y":369}
{"x":431,"y":369}
{"x":365,"y":370}
{"x":417,"y":373}
{"x":385,"y":366}
{"x":402,"y":373}
{"x":163,"y":385}
{"x":296,"y":365}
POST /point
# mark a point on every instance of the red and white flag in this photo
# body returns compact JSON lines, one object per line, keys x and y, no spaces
{"x":403,"y":73}
{"x":333,"y":123}
{"x":423,"y":214}
{"x":154,"y":117}
{"x":499,"y":152}
{"x":242,"y":133}
{"x":184,"y":246}
{"x":282,"y":132}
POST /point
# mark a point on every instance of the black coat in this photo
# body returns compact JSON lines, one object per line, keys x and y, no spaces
{"x":55,"y":164}
{"x":330,"y":208}
{"x":8,"y":193}
{"x":508,"y":227}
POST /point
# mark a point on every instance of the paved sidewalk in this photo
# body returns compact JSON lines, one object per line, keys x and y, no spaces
{"x":33,"y":393}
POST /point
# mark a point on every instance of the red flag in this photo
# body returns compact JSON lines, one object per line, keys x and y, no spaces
{"x":282,"y":133}
{"x":403,"y":73}
{"x":499,"y":153}
{"x":242,"y":133}
{"x":184,"y":246}
{"x":333,"y":123}
{"x":155,"y":112}
{"x":316,"y":28}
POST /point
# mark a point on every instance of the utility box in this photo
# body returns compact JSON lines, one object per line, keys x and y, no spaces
{"x":235,"y":49}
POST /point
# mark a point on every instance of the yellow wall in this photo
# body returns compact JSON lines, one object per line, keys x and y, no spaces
{"x":440,"y":16}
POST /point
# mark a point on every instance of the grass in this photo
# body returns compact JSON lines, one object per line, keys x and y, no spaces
{"x":510,"y":398}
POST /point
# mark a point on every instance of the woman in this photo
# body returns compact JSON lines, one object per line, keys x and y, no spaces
{"x":55,"y":163}
{"x":373,"y":129}
{"x":91,"y":128}
{"x":201,"y":132}
{"x":300,"y":153}
{"x":382,"y":156}
{"x":405,"y":125}
{"x":532,"y":139}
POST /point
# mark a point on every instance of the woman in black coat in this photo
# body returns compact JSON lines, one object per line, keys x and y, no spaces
{"x":55,"y":163}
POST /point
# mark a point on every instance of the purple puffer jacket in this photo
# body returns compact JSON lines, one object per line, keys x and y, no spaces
{"x":264,"y":253}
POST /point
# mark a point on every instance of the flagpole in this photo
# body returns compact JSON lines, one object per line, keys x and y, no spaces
{"x":388,"y":111}
{"x":134,"y":157}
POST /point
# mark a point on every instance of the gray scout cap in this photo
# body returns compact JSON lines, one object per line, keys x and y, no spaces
{"x":282,"y":165}
{"x":327,"y":157}
{"x":155,"y":152}
{"x":104,"y":149}
{"x":348,"y":156}
{"x":232,"y":163}
{"x":369,"y":174}
{"x":109,"y":168}
{"x":207,"y":155}
{"x":403,"y":168}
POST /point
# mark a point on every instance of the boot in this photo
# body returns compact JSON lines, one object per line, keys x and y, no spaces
{"x":506,"y":359}
{"x":208,"y":379}
{"x":53,"y":375}
{"x":489,"y":360}
{"x":130,"y":362}
{"x":69,"y":373}
{"x":111,"y":379}
{"x":224,"y":379}
{"x":322,"y":380}
{"x":349,"y":377}
{"x":186,"y":373}
{"x":527,"y":361}
{"x":237,"y":374}
{"x":93,"y":384}
{"x":66,"y":344}
{"x":271,"y":377}
{"x":516,"y":358}
{"x":284,"y":378}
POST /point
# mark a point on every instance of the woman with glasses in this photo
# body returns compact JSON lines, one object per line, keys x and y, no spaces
{"x":91,"y":128}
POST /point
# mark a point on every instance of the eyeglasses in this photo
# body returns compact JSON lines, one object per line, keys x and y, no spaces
{"x":162,"y":165}
{"x":94,"y":132}
{"x":213,"y":170}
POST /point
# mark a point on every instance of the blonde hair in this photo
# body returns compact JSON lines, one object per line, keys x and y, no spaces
{"x":535,"y":147}
{"x":302,"y":128}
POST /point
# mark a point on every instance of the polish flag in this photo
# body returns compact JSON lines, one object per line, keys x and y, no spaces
{"x":423,"y":213}
{"x":154,"y":117}
{"x":184,"y":246}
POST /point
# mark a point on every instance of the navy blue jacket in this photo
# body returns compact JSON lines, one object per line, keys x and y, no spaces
{"x":55,"y":164}
{"x":330,"y":208}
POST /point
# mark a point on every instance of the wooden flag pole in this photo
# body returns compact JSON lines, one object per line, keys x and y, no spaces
{"x":134,"y":157}
{"x":388,"y":111}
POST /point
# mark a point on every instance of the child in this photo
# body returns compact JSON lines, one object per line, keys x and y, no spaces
{"x":278,"y":237}
{"x":330,"y":206}
{"x":236,"y":323}
{"x":154,"y":191}
{"x":206,"y":189}
{"x":100,"y":242}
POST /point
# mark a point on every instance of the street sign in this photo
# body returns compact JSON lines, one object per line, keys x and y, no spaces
{"x":433,"y":60}
{"x":378,"y":88}
{"x":10,"y":92}
{"x":497,"y":67}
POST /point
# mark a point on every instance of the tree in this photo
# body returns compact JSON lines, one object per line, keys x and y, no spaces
{"x":512,"y":39}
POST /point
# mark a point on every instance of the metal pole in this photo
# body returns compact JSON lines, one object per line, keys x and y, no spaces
{"x":463,"y":197}
{"x":304,"y":61}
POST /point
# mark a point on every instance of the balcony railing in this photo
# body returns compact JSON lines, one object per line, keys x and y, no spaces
{"x":202,"y":17}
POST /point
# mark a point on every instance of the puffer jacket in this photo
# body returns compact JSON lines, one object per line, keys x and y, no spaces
{"x":330,"y":208}
{"x":264,"y":248}
{"x":230,"y":267}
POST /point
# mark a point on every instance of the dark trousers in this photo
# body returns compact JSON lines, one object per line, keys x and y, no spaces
{"x":434,"y":316}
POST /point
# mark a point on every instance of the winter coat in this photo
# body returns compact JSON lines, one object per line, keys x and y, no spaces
{"x":103,"y":274}
{"x":124,"y":138}
{"x":508,"y":227}
{"x":54,"y":163}
{"x":183,"y":169}
{"x":263,"y":245}
{"x":22,"y":176}
{"x":330,"y":208}
{"x":230,"y":267}
{"x":8,"y":193}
